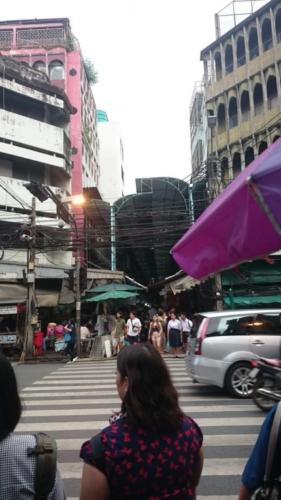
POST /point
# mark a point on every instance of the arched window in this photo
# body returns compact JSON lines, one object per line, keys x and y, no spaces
{"x":275,"y":138}
{"x":245,"y":105}
{"x":241,"y":51}
{"x":249,"y":156}
{"x":236,"y":164}
{"x":262,"y":147}
{"x":272,"y":93}
{"x":266,"y":34}
{"x":39,"y":66}
{"x":221,"y":116}
{"x":232,"y":111}
{"x":258,"y":99}
{"x":253,"y":43}
{"x":228,"y":59}
{"x":224,"y":170}
{"x":218,"y":66}
{"x":278,"y":25}
{"x":56,"y":70}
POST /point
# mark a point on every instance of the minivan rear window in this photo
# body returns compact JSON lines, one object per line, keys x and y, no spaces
{"x":230,"y":325}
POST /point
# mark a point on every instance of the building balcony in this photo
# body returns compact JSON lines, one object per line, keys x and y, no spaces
{"x":255,"y":124}
{"x":242,"y":73}
{"x":32,"y":140}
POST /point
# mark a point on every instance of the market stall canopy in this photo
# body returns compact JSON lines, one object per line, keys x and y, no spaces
{"x":252,"y":300}
{"x":110,"y":287}
{"x":113,"y":295}
{"x":242,"y":224}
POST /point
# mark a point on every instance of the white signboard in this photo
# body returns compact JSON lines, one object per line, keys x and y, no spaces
{"x":8,"y":310}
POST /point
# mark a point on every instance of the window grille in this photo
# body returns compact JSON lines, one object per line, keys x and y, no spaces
{"x":40,"y":37}
{"x":6,"y":39}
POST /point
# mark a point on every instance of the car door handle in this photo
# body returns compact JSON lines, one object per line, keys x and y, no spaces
{"x":258,"y":342}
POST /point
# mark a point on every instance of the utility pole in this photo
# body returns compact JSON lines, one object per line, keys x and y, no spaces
{"x":30,"y":278}
{"x":78,"y":300}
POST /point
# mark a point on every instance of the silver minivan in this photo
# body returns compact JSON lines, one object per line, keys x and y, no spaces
{"x":223,"y":343}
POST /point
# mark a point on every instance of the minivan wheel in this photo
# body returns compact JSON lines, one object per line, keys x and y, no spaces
{"x":237,"y":382}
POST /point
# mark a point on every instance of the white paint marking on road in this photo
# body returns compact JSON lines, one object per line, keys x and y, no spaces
{"x":211,"y":441}
{"x":61,"y":371}
{"x":70,"y":378}
{"x":31,"y":393}
{"x":230,"y":440}
{"x":116,"y":400}
{"x":212,"y":467}
{"x":31,"y":399}
{"x":92,"y":425}
{"x":47,"y":386}
{"x":103,"y":411}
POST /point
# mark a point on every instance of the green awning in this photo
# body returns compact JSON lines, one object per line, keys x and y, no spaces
{"x":252,"y":300}
{"x":114,"y":295}
{"x":253,"y":273}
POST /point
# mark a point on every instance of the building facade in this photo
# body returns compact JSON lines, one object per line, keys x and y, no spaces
{"x":198,"y":128}
{"x":111,"y":159}
{"x":34,"y":147}
{"x":48,"y":45}
{"x":242,"y":72}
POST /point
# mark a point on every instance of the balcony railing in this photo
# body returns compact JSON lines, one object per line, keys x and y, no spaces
{"x":40,"y":37}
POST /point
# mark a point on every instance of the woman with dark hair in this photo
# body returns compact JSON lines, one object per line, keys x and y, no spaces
{"x":17,"y":463}
{"x":151,"y":449}
{"x":174,"y":334}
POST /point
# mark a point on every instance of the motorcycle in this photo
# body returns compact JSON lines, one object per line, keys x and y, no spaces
{"x":266,"y":377}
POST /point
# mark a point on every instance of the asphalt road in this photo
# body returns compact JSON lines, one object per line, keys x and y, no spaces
{"x":73,"y":401}
{"x":27,"y":374}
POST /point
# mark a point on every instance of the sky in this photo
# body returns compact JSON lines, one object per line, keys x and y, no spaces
{"x":147,"y":54}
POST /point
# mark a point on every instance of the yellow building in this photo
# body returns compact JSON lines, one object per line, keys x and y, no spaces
{"x":242,"y":72}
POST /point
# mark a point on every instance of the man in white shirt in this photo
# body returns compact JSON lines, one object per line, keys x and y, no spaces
{"x":186,"y":325}
{"x":133,"y":329}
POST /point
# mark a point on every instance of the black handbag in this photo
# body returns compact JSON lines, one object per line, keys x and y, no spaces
{"x":271,"y":488}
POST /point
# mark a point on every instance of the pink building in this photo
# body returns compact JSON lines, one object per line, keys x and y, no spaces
{"x":48,"y":45}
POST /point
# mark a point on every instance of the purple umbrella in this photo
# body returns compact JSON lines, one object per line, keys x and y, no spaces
{"x":242,"y":224}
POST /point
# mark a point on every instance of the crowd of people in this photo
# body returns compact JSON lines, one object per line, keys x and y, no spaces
{"x":149,"y":450}
{"x":166,"y":331}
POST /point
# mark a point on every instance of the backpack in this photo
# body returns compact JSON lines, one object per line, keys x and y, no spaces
{"x":271,"y":488}
{"x":46,"y":465}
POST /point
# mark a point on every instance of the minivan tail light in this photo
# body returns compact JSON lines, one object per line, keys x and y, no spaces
{"x":200,"y":337}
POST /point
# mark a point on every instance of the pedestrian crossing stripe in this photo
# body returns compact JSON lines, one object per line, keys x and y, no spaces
{"x":79,"y":397}
{"x":69,"y":412}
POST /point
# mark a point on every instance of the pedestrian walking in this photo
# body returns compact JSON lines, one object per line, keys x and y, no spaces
{"x":70,"y":339}
{"x":255,"y":470}
{"x":85,"y":338}
{"x":133,"y":329}
{"x":150,"y":449}
{"x":20,"y":476}
{"x":155,"y":334}
{"x":118,"y":334}
{"x":38,"y":341}
{"x":174,"y":334}
{"x":186,"y":325}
